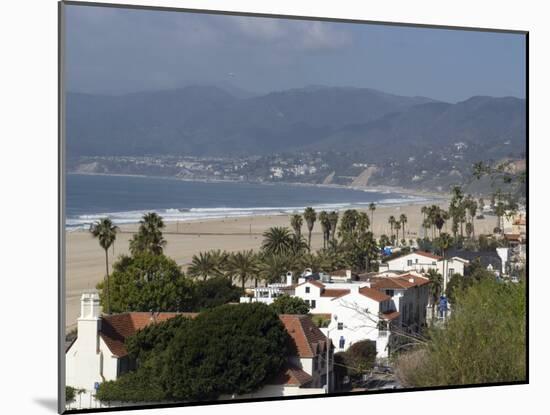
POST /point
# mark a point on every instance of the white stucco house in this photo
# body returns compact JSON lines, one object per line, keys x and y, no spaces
{"x":422,"y":262}
{"x":99,"y":353}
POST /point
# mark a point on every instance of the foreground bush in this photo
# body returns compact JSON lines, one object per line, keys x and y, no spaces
{"x":483,"y":341}
{"x":232,"y":349}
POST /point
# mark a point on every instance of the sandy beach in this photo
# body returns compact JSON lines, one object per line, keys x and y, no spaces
{"x":86,"y":260}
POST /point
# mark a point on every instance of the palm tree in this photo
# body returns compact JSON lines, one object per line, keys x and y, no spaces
{"x":391,"y":221}
{"x":296,"y":222}
{"x":277,"y":240}
{"x":363,"y":222}
{"x":105,"y":231}
{"x":243,"y":265}
{"x":333,"y":219}
{"x":272,"y":267}
{"x":436,"y":282}
{"x":472,"y":210}
{"x":403,"y":221}
{"x":372,"y":208}
{"x":325,"y":225}
{"x":444,"y":244}
{"x":204,"y":265}
{"x":310,"y":216}
{"x":149,"y":236}
{"x":440,"y":216}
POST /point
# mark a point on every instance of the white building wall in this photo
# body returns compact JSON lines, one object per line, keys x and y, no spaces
{"x":359,"y":318}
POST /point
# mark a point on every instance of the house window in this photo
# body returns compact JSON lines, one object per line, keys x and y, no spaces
{"x":315,"y":363}
{"x":342,"y":342}
{"x":451,"y":271}
{"x":307,"y":302}
{"x":409,"y":262}
{"x":390,"y":293}
{"x":307,"y":290}
{"x":313,"y":303}
{"x":416,"y":260}
{"x":340,"y":326}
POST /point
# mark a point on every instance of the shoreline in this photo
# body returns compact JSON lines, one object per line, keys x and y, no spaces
{"x":85,"y":259}
{"x":381,"y":189}
{"x":403,"y":197}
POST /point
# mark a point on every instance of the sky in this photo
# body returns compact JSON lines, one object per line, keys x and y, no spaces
{"x":116,"y":51}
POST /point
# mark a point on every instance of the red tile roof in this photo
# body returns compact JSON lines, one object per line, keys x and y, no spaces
{"x":116,"y":328}
{"x":401,"y":282}
{"x":313,"y":282}
{"x":374,"y":294}
{"x":334,"y":292}
{"x":291,"y":375}
{"x":428,"y":255}
{"x":341,"y":273}
{"x":308,"y":339}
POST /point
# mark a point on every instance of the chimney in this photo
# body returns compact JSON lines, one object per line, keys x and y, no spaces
{"x":289,"y":278}
{"x":89,"y":322}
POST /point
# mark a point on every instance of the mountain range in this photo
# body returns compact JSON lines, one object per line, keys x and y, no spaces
{"x":210,"y":120}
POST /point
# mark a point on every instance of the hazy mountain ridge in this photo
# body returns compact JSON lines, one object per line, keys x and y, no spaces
{"x":208,"y":120}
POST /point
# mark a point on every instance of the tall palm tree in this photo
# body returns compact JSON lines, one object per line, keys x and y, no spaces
{"x":243,"y":265}
{"x":333,"y":219}
{"x":403,"y":221}
{"x":391,"y":221}
{"x":296,"y":222}
{"x":203,"y":266}
{"x":105,"y":231}
{"x":436,"y":284}
{"x":440,"y":216}
{"x":472,"y":210}
{"x":310,"y":216}
{"x":363,"y":222}
{"x":444,"y":241}
{"x":277,"y":240}
{"x":325,"y":225}
{"x":149,"y":237}
{"x":271,"y":268}
{"x":372,"y":208}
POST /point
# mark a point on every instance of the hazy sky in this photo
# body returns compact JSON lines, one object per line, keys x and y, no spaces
{"x":120,"y":50}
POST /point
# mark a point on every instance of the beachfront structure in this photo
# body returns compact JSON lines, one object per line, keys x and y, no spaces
{"x":422,"y":262}
{"x":387,"y":305}
{"x":269,"y":293}
{"x":99,"y":353}
{"x":368,"y":309}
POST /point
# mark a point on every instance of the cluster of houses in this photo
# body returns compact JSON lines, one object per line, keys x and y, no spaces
{"x":346,"y":307}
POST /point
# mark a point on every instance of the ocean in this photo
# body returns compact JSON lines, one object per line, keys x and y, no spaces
{"x":126,"y":198}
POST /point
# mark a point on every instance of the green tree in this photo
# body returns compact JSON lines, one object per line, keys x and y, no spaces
{"x":296,"y":222}
{"x":244,"y":266}
{"x":272,"y":267}
{"x":231,"y":349}
{"x":372,"y":208}
{"x":105,"y":232}
{"x":310,"y":216}
{"x":436,"y":286}
{"x":148,"y":282}
{"x":333,"y":219}
{"x":214,"y":292}
{"x":403,"y":221}
{"x":149,"y":238}
{"x":203,"y":266}
{"x":325,"y":225}
{"x":391,"y":221}
{"x":286,"y":304}
{"x":277,"y":241}
{"x":483,"y":341}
